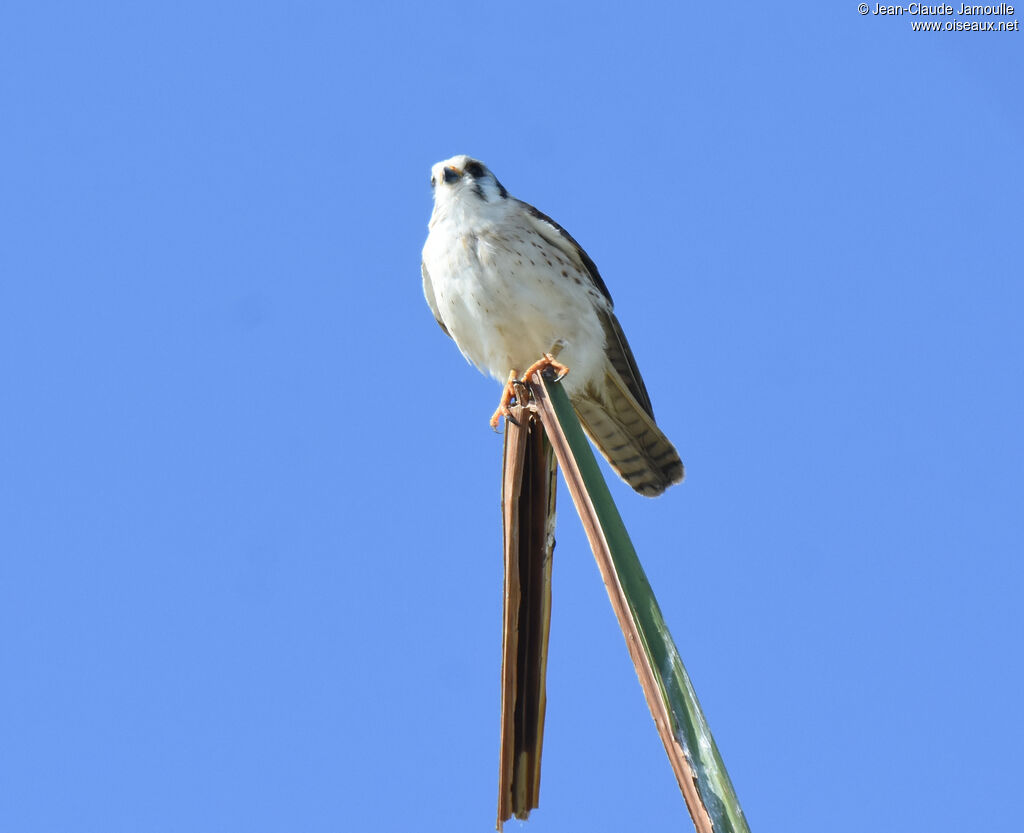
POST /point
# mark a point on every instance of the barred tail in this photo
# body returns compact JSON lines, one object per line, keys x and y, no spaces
{"x":626,"y":434}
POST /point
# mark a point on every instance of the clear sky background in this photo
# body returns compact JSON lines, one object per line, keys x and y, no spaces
{"x":250,"y":576}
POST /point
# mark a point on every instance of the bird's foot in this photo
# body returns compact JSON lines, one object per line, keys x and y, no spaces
{"x":548,"y":362}
{"x":513,"y":391}
{"x":516,"y":390}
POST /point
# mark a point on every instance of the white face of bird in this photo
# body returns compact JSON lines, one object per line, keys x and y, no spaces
{"x":463,"y":178}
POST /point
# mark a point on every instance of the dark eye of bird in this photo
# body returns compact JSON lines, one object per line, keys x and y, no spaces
{"x":475,"y":170}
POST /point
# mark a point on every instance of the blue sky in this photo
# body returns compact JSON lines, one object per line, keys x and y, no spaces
{"x":250,"y":575}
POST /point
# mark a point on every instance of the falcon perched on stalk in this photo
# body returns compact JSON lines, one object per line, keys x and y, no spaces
{"x":508,"y":283}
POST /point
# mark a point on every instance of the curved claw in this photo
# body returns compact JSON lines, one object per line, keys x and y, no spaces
{"x":507,"y":395}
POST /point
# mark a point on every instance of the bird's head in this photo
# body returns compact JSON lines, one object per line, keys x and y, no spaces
{"x":464,"y":178}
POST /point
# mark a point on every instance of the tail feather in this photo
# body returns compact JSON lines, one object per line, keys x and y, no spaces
{"x":626,"y":434}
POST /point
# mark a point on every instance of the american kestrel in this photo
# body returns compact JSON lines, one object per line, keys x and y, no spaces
{"x":506,"y":282}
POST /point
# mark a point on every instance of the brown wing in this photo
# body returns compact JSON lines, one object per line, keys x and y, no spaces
{"x":621,"y":357}
{"x":619,"y":354}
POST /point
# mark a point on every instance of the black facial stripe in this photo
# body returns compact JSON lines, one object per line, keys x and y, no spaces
{"x":476,"y":171}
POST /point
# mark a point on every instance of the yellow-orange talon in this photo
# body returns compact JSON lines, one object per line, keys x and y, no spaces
{"x":543,"y":364}
{"x":502,"y":411}
{"x":515,"y":387}
{"x":507,"y":395}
